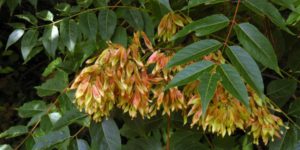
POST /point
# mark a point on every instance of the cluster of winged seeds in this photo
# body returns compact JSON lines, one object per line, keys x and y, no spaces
{"x":130,"y":80}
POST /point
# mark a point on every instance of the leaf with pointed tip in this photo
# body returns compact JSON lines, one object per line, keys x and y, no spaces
{"x":207,"y":88}
{"x":68,"y":118}
{"x":12,"y":4}
{"x":32,"y":108}
{"x":281,"y":90}
{"x":14,"y":131}
{"x":204,"y":26}
{"x":166,"y":3}
{"x":111,"y":139}
{"x":233,"y":83}
{"x":265,"y":8}
{"x":257,"y":45}
{"x":120,"y":36}
{"x":14,"y":37}
{"x":107,"y":23}
{"x":105,"y":135}
{"x":51,"y":138}
{"x":190,"y":73}
{"x":50,"y":40}
{"x":194,"y":51}
{"x":247,"y":67}
{"x":288,"y":140}
{"x":69,"y":34}
{"x":82,"y":144}
{"x":45,"y":15}
{"x":285,"y":3}
{"x":193,"y":3}
{"x":56,"y":84}
{"x":134,"y":18}
{"x":28,"y":42}
{"x":28,"y":17}
{"x":5,"y":147}
{"x":88,"y":25}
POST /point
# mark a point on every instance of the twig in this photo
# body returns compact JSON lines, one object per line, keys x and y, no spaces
{"x":80,"y":130}
{"x":34,"y":127}
{"x":208,"y":141}
{"x":289,"y":75}
{"x":286,"y":115}
{"x":233,"y":22}
{"x":82,"y":12}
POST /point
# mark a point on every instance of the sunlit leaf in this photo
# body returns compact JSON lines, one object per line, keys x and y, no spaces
{"x":28,"y":42}
{"x":50,"y":40}
{"x":68,"y":118}
{"x":14,"y":37}
{"x":69,"y":33}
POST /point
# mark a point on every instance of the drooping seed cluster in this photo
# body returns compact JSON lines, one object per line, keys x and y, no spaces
{"x":133,"y":79}
{"x":170,"y":24}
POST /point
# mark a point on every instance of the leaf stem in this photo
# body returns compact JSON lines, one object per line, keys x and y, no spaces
{"x":168,"y":132}
{"x":233,"y":22}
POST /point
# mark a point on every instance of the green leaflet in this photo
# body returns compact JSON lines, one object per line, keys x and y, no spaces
{"x":28,"y":42}
{"x":233,"y":83}
{"x":69,"y":33}
{"x":107,"y":23}
{"x":194,"y":51}
{"x":190,"y":73}
{"x":14,"y":37}
{"x":204,"y":26}
{"x":247,"y":67}
{"x":265,"y":8}
{"x":207,"y":88}
{"x":257,"y":45}
{"x":50,"y":40}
